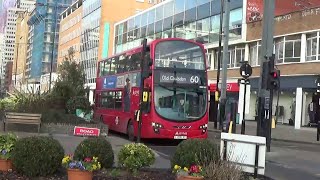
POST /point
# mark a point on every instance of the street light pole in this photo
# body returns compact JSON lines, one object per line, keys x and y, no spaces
{"x":16,"y":65}
{"x":223,"y":98}
{"x":264,"y":99}
{"x":53,"y":46}
{"x":219,"y":65}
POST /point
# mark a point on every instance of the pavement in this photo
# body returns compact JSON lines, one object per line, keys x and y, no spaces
{"x":280,"y":133}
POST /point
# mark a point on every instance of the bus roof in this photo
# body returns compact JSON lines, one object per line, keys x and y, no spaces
{"x":139,"y":48}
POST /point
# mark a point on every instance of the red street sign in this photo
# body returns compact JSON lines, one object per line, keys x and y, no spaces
{"x":84,"y":131}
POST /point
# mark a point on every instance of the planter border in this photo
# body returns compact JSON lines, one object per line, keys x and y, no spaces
{"x":65,"y":128}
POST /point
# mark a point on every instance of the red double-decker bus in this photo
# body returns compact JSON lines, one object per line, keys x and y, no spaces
{"x":175,"y":90}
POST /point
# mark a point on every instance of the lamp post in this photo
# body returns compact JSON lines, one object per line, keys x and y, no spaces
{"x":219,"y":66}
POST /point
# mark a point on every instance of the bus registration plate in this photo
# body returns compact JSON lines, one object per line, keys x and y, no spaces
{"x":180,"y":137}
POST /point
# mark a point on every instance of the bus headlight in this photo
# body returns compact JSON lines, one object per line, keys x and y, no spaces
{"x":203,"y":127}
{"x":156,"y":127}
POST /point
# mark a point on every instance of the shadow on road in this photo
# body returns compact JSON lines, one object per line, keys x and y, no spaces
{"x":149,"y":142}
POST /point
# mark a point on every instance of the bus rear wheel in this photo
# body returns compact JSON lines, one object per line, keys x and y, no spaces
{"x":130,"y":131}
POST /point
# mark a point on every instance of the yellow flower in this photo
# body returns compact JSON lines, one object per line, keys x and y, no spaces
{"x":176,"y":167}
{"x":65,"y":160}
{"x":185,"y":169}
{"x":95,"y":159}
{"x":99,"y":165}
{"x":94,"y":167}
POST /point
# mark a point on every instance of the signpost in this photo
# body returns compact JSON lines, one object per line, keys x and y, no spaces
{"x":245,"y":72}
{"x":84,"y":131}
{"x":318,"y":125}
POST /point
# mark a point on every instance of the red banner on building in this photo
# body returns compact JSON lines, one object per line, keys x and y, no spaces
{"x":231,"y":87}
{"x":84,"y":131}
{"x":282,"y":7}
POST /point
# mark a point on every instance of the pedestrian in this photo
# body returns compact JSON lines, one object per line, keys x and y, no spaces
{"x":127,"y":93}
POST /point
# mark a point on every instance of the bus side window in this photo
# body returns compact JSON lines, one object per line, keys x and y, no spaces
{"x":106,"y":67}
{"x":101,"y":68}
{"x":118,"y":100}
{"x":112,"y":67}
{"x":116,"y":65}
{"x":125,"y":64}
{"x":136,"y":61}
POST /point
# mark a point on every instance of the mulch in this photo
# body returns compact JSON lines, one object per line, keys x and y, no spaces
{"x":101,"y":175}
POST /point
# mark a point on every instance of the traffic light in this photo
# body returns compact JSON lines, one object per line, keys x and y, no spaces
{"x":274,"y":79}
{"x":146,"y":60}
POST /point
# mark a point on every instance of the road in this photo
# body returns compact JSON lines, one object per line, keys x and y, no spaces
{"x":286,"y":161}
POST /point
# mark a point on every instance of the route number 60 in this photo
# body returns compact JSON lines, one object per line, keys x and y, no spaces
{"x":194,"y":79}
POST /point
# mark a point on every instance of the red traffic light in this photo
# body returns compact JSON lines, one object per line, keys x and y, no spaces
{"x":275,"y":75}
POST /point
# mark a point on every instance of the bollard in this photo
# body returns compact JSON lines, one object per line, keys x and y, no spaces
{"x":318,"y":130}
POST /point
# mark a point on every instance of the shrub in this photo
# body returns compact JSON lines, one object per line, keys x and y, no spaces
{"x":95,"y":147}
{"x":59,"y":116}
{"x":78,"y":102}
{"x":37,"y":156}
{"x":7,"y":144}
{"x":221,"y":170}
{"x":135,"y":156}
{"x":192,"y":151}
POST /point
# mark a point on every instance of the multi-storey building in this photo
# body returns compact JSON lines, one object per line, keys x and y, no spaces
{"x":20,"y":52}
{"x":43,"y":38}
{"x":296,"y":48}
{"x":99,"y":17}
{"x":10,"y":28}
{"x":70,"y":33}
{"x":1,"y":60}
{"x":196,"y":20}
{"x":7,"y":77}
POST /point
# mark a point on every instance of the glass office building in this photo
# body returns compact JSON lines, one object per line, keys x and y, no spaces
{"x":91,"y":12}
{"x":189,"y":19}
{"x":44,"y":27}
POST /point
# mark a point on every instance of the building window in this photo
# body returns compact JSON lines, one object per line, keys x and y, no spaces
{"x":288,"y":49}
{"x":236,"y":55}
{"x":313,"y":49}
{"x":255,"y":50}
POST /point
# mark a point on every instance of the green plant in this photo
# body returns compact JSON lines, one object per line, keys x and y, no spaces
{"x":194,"y":170}
{"x":190,"y":152}
{"x":60,"y":116}
{"x":7,"y":144}
{"x":115,"y":173}
{"x":87,"y":164}
{"x":97,"y":147}
{"x":7,"y":104}
{"x":70,"y":83}
{"x":37,"y":156}
{"x":134,"y":156}
{"x":78,"y":102}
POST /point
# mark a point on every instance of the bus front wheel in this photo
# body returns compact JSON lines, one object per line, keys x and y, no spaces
{"x":130,"y":131}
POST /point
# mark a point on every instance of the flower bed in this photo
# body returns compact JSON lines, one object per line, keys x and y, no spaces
{"x":109,"y":174}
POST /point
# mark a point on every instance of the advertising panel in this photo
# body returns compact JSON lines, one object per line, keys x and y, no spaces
{"x":282,"y":7}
